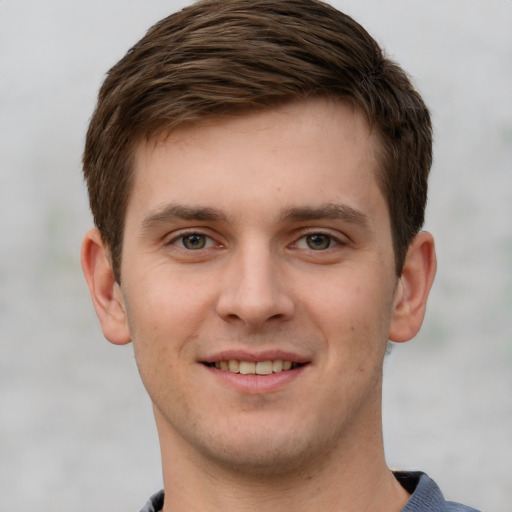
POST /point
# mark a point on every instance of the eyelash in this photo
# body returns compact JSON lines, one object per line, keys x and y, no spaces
{"x":333,"y":241}
{"x":183,"y":235}
{"x":209,"y":242}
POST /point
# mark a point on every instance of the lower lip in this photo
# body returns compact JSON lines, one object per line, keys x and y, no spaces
{"x":257,"y":384}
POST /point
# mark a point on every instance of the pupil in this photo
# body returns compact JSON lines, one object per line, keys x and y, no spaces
{"x":318,"y":241}
{"x":194,"y":241}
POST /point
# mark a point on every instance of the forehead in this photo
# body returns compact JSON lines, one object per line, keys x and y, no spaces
{"x":289,"y":154}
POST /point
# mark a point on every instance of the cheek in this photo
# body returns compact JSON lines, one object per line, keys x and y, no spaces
{"x":167,"y":301}
{"x":352,"y":306}
{"x":165,"y":318}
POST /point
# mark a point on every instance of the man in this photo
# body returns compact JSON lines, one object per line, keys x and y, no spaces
{"x":257,"y":171}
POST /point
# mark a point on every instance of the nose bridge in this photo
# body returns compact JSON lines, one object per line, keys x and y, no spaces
{"x":252,"y":289}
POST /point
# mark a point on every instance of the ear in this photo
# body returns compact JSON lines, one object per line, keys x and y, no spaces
{"x":105,"y":292}
{"x":413,"y":288}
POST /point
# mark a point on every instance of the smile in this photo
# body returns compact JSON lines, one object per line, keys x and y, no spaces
{"x":254,"y":367}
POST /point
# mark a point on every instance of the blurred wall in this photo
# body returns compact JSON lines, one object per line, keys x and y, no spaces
{"x":76,"y":430}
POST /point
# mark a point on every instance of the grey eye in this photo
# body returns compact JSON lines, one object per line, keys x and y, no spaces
{"x":194,"y":241}
{"x":318,"y":241}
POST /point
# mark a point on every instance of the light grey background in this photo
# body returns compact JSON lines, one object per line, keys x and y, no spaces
{"x":76,"y":430}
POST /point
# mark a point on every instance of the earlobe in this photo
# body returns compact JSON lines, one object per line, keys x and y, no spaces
{"x":105,"y":292}
{"x":413,"y":288}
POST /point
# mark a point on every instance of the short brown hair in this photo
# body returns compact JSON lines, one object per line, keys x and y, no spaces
{"x":220,"y":57}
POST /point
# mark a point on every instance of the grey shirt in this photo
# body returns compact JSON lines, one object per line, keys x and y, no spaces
{"x":425,"y":496}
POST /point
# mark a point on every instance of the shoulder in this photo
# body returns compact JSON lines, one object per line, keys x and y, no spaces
{"x":451,"y":506}
{"x":155,"y":503}
{"x":426,"y":495}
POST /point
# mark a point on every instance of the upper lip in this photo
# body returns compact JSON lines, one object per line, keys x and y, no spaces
{"x":266,"y":355}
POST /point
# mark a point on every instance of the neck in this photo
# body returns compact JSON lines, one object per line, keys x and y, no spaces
{"x":354,"y":477}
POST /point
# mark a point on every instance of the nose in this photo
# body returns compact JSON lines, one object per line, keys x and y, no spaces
{"x":254,"y":289}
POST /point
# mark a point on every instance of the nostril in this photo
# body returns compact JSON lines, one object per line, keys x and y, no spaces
{"x":253,"y":297}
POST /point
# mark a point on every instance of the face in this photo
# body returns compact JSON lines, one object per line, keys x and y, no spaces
{"x":258,"y":285}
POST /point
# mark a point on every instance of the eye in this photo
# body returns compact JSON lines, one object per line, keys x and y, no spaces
{"x":316,"y":242}
{"x":193,"y":241}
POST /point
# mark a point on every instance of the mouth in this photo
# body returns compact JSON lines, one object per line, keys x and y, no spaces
{"x":254,"y":367}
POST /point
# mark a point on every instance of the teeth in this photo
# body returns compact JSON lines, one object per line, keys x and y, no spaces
{"x":264,"y":367}
{"x":277,"y":366}
{"x":252,"y":368}
{"x":247,"y":367}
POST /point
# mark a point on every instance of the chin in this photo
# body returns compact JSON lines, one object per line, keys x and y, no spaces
{"x":263,"y":463}
{"x":265,"y":452}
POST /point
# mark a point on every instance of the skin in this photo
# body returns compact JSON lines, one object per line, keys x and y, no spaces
{"x":298,"y":264}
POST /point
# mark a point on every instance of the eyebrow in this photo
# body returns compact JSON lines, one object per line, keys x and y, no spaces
{"x":173,"y":212}
{"x":328,"y":211}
